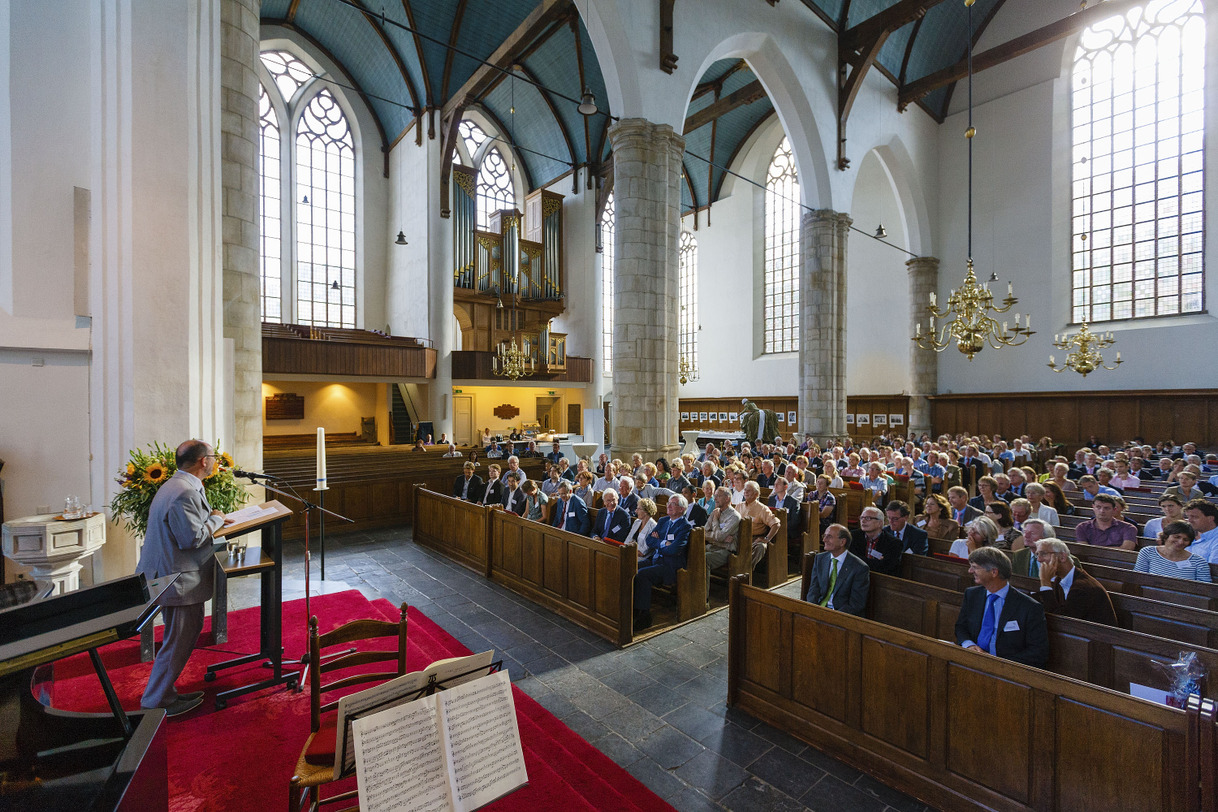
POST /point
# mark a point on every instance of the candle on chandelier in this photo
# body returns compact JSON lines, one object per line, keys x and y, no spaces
{"x":932,"y":299}
{"x":1052,"y":363}
{"x":1118,"y":358}
{"x":918,"y":330}
{"x":1010,"y":288}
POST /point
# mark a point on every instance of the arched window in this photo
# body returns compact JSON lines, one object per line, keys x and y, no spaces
{"x":494,"y":182}
{"x":782,"y":260}
{"x":311,"y":211}
{"x":269,"y":208}
{"x":1138,"y":100}
{"x":689,"y":300}
{"x":608,"y":224}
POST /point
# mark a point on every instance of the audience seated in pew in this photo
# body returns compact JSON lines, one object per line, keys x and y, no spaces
{"x":468,"y":486}
{"x":535,"y":501}
{"x":629,"y":500}
{"x":913,"y":539}
{"x":1173,"y":511}
{"x":998,"y":620}
{"x":643,"y":526}
{"x":492,"y":493}
{"x":840,"y":579}
{"x":1104,"y":530}
{"x":612,"y":522}
{"x":874,"y":544}
{"x":1024,"y":560}
{"x":514,"y":497}
{"x":722,"y":533}
{"x":1171,"y":557}
{"x":795,"y":517}
{"x":668,"y":546}
{"x":963,"y":509}
{"x":826,"y":502}
{"x":765,"y":523}
{"x":571,"y":514}
{"x":980,"y":532}
{"x":695,"y":514}
{"x":1203,"y":517}
{"x":935,"y":519}
{"x":1067,"y":589}
{"x":999,"y":512}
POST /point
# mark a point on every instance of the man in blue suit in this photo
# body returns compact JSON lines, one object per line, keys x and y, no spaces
{"x":555,"y":454}
{"x":514,"y":498}
{"x":612,"y":523}
{"x":669,"y":543}
{"x":996,"y":619}
{"x":913,"y":539}
{"x":571,"y":513}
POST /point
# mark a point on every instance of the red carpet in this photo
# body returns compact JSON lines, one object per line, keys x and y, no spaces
{"x":241,"y":758}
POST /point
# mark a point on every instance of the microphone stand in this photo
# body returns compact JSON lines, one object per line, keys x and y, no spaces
{"x":308,"y":506}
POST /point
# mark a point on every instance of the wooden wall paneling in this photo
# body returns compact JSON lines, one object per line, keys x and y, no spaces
{"x":889,"y":665}
{"x":819,"y":680}
{"x":977,"y":700}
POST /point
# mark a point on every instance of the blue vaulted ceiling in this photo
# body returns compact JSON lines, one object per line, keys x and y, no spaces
{"x":409,"y":58}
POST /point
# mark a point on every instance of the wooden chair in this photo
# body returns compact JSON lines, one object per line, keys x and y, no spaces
{"x":315,"y":767}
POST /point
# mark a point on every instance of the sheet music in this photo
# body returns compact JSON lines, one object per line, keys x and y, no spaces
{"x":482,"y":741}
{"x":387,"y":741}
{"x":249,"y":514}
{"x":397,"y":692}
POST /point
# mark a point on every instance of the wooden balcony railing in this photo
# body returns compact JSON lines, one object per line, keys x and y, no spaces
{"x":476,"y":365}
{"x":301,"y":349}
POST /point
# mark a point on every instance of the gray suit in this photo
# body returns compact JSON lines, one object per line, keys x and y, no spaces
{"x":852,"y":585}
{"x":179,"y":540}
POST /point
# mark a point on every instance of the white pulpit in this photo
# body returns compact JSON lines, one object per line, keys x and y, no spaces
{"x":54,"y":548}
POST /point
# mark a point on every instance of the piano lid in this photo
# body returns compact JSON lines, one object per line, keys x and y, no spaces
{"x":44,"y":631}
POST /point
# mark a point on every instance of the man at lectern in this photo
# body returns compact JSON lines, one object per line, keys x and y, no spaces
{"x":179,"y":540}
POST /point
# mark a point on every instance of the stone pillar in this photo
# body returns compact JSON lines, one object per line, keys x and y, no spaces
{"x":923,"y":364}
{"x":822,"y":353}
{"x":239,"y":28}
{"x":647,"y":195}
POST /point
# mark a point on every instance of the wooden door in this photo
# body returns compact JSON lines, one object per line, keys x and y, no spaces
{"x":463,"y":419}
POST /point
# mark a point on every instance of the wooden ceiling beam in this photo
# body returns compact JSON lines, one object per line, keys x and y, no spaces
{"x":738,"y":98}
{"x":546,"y":13}
{"x":887,"y":21}
{"x":1046,"y":35}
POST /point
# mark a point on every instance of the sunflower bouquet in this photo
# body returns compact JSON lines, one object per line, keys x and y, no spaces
{"x":149,"y":468}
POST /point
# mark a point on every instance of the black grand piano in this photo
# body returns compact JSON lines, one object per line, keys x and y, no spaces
{"x":52,"y":759}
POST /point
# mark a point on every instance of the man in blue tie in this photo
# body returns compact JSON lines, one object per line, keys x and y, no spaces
{"x":612,"y":523}
{"x":669,"y":543}
{"x":571,"y":514}
{"x":995,"y":619}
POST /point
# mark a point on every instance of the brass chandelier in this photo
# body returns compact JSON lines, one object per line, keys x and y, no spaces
{"x":510,"y":360}
{"x":968,"y":320}
{"x":1084,"y":357}
{"x":686,"y":371}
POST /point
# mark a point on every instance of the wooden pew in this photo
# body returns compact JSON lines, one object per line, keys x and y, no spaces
{"x":1091,"y":652}
{"x":811,"y":540}
{"x":1185,"y":624}
{"x":850,"y":503}
{"x":458,"y":529}
{"x":590,"y":583}
{"x":954,"y":728}
{"x":692,"y":600}
{"x":774,"y":566}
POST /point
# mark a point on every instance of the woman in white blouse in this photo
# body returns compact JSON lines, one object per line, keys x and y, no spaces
{"x":643,"y":525}
{"x":1034,"y":492}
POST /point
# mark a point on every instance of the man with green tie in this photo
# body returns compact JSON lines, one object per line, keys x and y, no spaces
{"x":840,"y":579}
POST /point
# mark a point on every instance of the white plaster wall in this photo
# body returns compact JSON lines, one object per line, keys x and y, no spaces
{"x":877,"y":288}
{"x":582,"y":317}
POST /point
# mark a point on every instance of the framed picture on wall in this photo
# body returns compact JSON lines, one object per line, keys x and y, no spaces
{"x":733,"y":417}
{"x":722,"y":417}
{"x":879,"y":420}
{"x":790,"y":418}
{"x":782,"y":418}
{"x":684,"y":417}
{"x":849,"y":420}
{"x":862,"y":420}
{"x":896,"y":420}
{"x":713,"y":417}
{"x":702,"y":417}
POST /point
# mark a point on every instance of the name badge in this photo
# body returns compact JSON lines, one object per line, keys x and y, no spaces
{"x":572,"y":513}
{"x":1012,"y":626}
{"x":671,"y":536}
{"x":616,"y":528}
{"x":876,"y":554}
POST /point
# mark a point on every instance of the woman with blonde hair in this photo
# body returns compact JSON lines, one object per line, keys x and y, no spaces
{"x":980,"y":532}
{"x":644,"y":523}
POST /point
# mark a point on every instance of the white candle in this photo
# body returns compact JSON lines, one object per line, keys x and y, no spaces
{"x":1051,"y":361}
{"x":1010,"y":288}
{"x":321,"y":458}
{"x":1004,"y":328}
{"x":932,"y":299}
{"x":1027,"y":321}
{"x":918,"y":329}
{"x":1118,"y":357}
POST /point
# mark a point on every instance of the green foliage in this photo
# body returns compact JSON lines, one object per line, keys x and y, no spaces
{"x":149,"y":468}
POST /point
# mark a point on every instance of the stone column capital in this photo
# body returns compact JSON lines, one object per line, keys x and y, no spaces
{"x":627,"y":130}
{"x":922,"y":265}
{"x":837,"y":218}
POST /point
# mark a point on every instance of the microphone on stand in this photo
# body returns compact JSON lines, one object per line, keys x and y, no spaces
{"x":252,"y":476}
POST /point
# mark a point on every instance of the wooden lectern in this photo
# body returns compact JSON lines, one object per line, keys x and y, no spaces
{"x":262,"y":556}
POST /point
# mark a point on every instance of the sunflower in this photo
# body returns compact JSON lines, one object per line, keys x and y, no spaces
{"x":155,"y":474}
{"x":130,"y":470}
{"x":225,"y":460}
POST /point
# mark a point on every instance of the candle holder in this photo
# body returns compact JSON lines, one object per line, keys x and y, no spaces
{"x":1084,"y":346}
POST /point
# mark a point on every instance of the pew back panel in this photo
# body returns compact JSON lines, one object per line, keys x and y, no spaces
{"x":454,"y":527}
{"x":965,"y":731}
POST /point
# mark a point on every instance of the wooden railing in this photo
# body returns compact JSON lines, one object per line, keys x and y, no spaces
{"x":954,"y":728}
{"x":476,"y":365}
{"x":297,"y":350}
{"x":453,"y":527}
